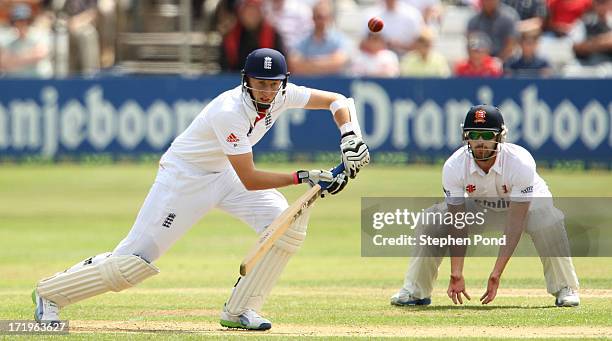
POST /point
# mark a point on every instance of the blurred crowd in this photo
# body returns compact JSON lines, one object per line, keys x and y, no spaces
{"x":40,"y":38}
{"x":420,"y":38}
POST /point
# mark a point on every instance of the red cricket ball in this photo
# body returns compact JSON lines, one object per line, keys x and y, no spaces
{"x":375,"y":24}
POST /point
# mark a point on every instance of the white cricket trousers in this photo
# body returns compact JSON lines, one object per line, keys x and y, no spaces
{"x":181,"y":196}
{"x":545,"y":225}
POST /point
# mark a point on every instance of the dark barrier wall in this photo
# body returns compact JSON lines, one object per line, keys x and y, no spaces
{"x":404,"y":120}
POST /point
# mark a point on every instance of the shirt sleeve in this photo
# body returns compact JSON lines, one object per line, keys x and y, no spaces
{"x":231,"y":134}
{"x":452,"y":183}
{"x":297,"y":96}
{"x":523,"y":180}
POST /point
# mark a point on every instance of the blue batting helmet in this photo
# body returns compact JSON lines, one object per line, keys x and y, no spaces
{"x":266,"y":64}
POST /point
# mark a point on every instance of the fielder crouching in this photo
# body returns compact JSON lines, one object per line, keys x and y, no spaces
{"x":211,"y":165}
{"x":487,"y":166}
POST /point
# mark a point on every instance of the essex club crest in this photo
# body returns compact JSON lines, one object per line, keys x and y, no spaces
{"x":480,"y":116}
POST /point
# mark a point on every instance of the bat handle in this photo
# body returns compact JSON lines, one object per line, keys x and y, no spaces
{"x":338,"y":169}
{"x":335,"y":171}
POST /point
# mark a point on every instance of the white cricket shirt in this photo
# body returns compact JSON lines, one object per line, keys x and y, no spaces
{"x":229,"y":125}
{"x":513,"y":177}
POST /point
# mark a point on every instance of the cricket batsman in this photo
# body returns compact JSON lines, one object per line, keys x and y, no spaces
{"x":211,"y":165}
{"x":487,"y":166}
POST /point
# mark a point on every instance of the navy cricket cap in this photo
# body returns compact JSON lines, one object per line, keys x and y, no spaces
{"x":483,"y":117}
{"x":266,"y":64}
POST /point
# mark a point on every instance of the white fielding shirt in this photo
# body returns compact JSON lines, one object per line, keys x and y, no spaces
{"x":513,"y":177}
{"x":227,"y":126}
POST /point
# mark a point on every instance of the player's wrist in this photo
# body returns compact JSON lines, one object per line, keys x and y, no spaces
{"x":300,"y":177}
{"x":456,"y":275}
{"x":347,"y":128}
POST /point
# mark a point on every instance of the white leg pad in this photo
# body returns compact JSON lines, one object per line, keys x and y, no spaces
{"x":251,"y":290}
{"x":95,"y":276}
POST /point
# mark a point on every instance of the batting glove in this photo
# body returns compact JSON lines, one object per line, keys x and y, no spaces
{"x":313,"y":177}
{"x":336,"y":185}
{"x":329,"y":183}
{"x":355,"y":153}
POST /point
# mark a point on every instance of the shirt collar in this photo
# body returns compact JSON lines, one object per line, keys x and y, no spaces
{"x":473,"y":166}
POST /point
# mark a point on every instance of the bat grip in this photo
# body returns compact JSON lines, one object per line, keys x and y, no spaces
{"x":338,"y":169}
{"x":335,"y":171}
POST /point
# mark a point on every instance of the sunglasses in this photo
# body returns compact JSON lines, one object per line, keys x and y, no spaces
{"x":486,"y":135}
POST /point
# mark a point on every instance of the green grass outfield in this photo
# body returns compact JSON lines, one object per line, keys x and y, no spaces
{"x":54,"y":216}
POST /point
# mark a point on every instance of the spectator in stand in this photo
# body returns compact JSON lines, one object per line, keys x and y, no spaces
{"x":531,"y":12}
{"x":430,"y":9}
{"x":479,"y":63}
{"x":499,"y":22}
{"x":291,"y":18}
{"x":107,"y":28}
{"x":563,"y":14}
{"x":424,"y":61}
{"x":403,"y":23}
{"x":84,"y":36}
{"x":475,"y":4}
{"x":325,"y":50}
{"x":592,"y":36}
{"x":224,"y":17}
{"x":250,"y":31}
{"x":528,"y":63}
{"x":374,"y":59}
{"x":27,"y":53}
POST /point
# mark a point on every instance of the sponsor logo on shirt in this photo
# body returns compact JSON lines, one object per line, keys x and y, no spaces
{"x":527,"y":190}
{"x":470,"y":188}
{"x":498,"y":204}
{"x":231,"y":138}
{"x":505,"y":188}
{"x":480,"y":116}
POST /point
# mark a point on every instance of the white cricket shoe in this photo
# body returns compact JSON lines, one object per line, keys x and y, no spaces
{"x":405,"y":298}
{"x":567,"y":297}
{"x":46,"y":311}
{"x":247,"y":320}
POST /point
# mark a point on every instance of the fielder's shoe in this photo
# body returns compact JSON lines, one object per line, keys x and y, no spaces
{"x":404,"y":298}
{"x":248,"y":320}
{"x":46,"y":311}
{"x":567,"y":297}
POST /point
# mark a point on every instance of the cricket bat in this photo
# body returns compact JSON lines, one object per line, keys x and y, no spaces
{"x":280,"y":225}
